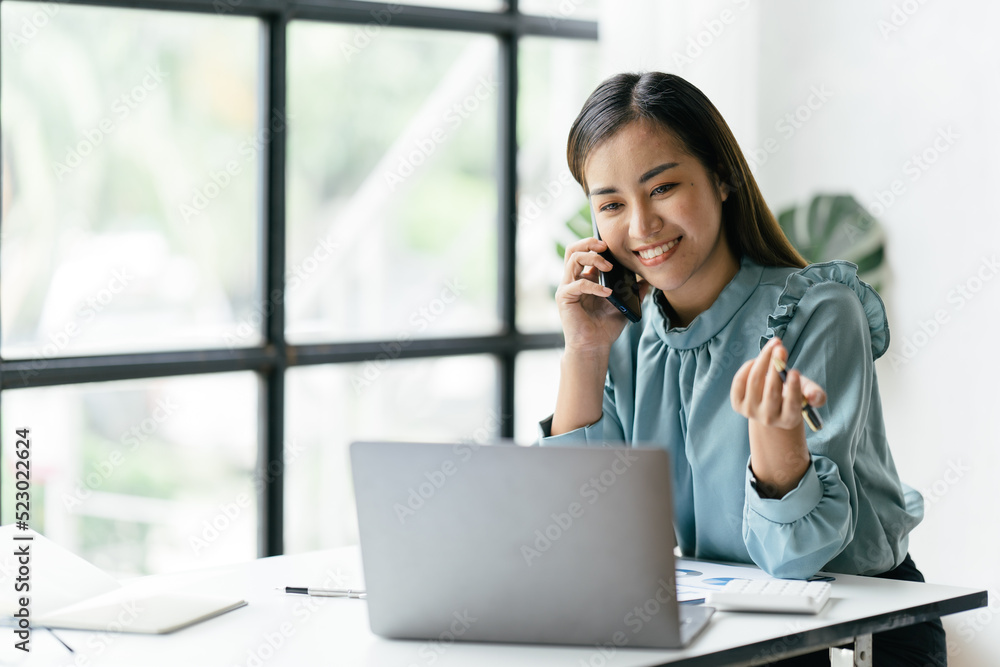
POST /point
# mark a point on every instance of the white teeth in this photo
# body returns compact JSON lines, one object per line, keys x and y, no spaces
{"x":658,"y":250}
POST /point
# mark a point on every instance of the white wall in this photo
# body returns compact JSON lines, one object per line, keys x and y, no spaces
{"x":891,"y":94}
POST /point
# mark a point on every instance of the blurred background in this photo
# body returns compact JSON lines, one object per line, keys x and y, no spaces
{"x":133,"y":189}
{"x":134,"y":144}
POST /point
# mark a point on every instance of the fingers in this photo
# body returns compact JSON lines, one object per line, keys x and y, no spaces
{"x":583,"y":254}
{"x":758,"y":388}
{"x":758,"y":393}
{"x":813,"y":393}
{"x":803,"y":386}
{"x":792,"y":401}
{"x":771,"y":399}
{"x":582,"y":262}
{"x":738,"y":390}
{"x":574,"y":290}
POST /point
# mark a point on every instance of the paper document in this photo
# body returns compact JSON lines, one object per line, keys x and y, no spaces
{"x":696,"y":578}
{"x":65,"y":591}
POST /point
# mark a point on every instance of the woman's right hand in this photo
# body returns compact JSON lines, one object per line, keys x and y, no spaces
{"x":590,"y":322}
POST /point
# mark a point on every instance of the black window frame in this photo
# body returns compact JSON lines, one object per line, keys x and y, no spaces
{"x":270,"y":359}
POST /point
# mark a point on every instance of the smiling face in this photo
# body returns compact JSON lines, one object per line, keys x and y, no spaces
{"x":660,"y":212}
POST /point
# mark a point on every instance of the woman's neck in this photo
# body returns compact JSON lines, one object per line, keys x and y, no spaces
{"x":698,"y":295}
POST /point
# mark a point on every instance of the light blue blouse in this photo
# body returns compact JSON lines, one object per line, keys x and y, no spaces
{"x":670,"y":388}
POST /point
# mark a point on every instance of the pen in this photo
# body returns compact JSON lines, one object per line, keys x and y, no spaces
{"x":59,"y":639}
{"x":329,"y":592}
{"x":808,"y":412}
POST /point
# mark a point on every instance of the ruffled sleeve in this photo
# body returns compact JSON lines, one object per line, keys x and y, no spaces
{"x":834,"y":326}
{"x":799,"y":283}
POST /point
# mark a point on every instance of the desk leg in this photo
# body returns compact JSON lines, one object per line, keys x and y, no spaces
{"x":863,"y":651}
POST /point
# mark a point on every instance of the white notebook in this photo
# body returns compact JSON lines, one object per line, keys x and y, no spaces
{"x":68,"y":592}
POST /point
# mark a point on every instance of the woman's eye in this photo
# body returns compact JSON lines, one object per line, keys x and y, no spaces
{"x":610,"y":207}
{"x":662,"y":188}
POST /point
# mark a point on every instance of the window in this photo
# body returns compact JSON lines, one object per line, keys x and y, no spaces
{"x":401,"y":180}
{"x":232,"y":243}
{"x":130,"y":180}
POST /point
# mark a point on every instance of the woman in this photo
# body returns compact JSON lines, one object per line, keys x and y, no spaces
{"x":675,"y":202}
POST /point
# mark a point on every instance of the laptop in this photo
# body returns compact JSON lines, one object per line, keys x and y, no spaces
{"x":504,"y":543}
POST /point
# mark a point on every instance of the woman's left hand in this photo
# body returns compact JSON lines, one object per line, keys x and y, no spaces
{"x":758,"y":393}
{"x":779,"y":456}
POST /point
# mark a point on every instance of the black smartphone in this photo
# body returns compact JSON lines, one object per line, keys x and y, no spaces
{"x":624,"y":288}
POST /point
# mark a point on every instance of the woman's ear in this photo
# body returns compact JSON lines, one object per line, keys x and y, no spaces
{"x":725,"y":181}
{"x":723,"y":187}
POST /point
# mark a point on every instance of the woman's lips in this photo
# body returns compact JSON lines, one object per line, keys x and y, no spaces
{"x":658,"y":254}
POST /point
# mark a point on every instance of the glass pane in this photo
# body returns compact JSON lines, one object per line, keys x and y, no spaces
{"x":449,"y":399}
{"x":556,"y":76}
{"x":140,"y":477}
{"x":557,"y":10}
{"x":392,"y":194}
{"x":129,"y":178}
{"x":476,"y":5}
{"x":536,"y":382}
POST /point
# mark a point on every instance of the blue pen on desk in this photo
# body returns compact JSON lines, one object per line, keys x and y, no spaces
{"x":808,"y":412}
{"x":328,"y":592}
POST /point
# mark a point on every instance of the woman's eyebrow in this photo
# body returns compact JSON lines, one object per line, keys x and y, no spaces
{"x":657,"y":170}
{"x":652,"y":173}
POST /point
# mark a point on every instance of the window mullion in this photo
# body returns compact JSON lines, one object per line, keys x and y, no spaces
{"x":507,"y":232}
{"x":270,"y":460}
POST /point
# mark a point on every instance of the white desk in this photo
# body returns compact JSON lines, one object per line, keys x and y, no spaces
{"x":280,"y":629}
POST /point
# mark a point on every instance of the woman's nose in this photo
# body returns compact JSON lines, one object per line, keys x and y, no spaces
{"x":645,"y":222}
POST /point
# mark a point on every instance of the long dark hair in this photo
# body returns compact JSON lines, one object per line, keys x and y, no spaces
{"x":673,"y":103}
